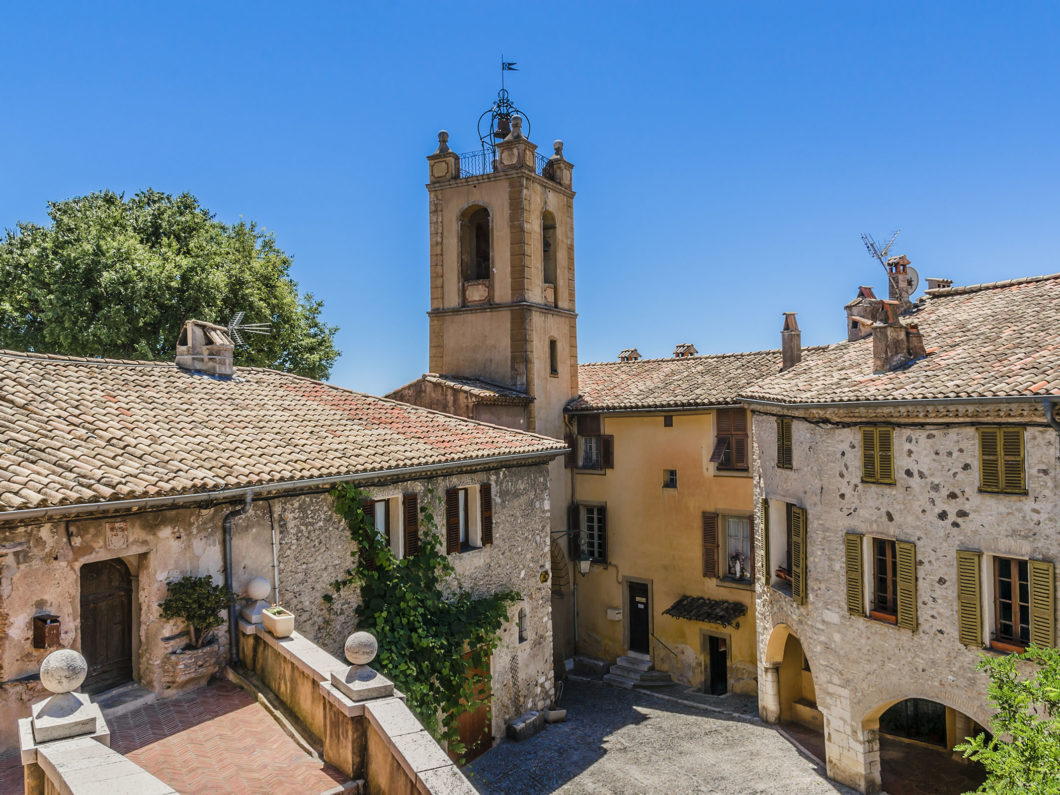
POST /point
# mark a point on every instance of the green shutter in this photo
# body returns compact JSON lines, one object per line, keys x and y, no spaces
{"x":989,"y":460}
{"x":885,"y":455}
{"x":1012,"y":478}
{"x":780,"y":441}
{"x":969,"y":598}
{"x":767,"y":575}
{"x":905,"y":552}
{"x":798,"y":555}
{"x":1042,"y":579}
{"x":855,"y":574}
{"x":788,"y":455}
{"x":868,"y":455}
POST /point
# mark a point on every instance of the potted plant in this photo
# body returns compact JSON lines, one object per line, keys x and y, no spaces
{"x":278,"y":620}
{"x":201,"y":604}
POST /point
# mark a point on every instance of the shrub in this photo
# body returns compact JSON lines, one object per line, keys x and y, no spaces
{"x":199,"y":602}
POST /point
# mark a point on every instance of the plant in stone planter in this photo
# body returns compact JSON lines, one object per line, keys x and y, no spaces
{"x":200,"y":603}
{"x":278,"y":620}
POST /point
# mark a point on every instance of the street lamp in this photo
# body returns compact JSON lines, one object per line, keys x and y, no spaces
{"x":584,"y":561}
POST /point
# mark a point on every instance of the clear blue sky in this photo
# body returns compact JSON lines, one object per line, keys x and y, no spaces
{"x":727,"y":155}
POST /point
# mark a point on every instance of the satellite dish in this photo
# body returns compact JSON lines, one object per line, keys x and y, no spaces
{"x":912,"y":279}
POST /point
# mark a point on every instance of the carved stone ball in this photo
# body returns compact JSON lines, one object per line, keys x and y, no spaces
{"x":258,"y":588}
{"x":361,"y":648}
{"x":63,"y":671}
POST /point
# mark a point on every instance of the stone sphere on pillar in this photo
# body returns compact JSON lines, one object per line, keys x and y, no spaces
{"x":258,"y":588}
{"x":361,"y":648}
{"x":63,"y":671}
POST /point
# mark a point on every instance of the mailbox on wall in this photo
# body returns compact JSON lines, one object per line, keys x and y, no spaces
{"x":46,"y":630}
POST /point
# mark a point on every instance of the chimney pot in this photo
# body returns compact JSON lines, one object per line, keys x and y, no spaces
{"x":629,"y":355}
{"x":790,"y":342}
{"x":684,"y":350}
{"x":206,"y":348}
{"x":936,"y":283}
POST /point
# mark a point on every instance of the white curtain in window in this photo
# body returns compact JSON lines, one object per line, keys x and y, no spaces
{"x":738,"y":546}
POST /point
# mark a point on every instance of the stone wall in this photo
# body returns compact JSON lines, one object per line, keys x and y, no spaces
{"x":860,"y":666}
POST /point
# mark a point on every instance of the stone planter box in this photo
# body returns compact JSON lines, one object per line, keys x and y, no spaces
{"x":188,"y":668}
{"x":281,"y":625}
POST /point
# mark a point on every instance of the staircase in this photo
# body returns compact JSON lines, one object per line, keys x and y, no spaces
{"x":634,"y":669}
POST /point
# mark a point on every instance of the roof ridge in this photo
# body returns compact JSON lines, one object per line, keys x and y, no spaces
{"x":65,"y":357}
{"x":975,"y":288}
{"x":699,"y":356}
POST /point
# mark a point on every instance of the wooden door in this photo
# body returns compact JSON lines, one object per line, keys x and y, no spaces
{"x":638,"y":617}
{"x":476,"y":724}
{"x":106,"y":624}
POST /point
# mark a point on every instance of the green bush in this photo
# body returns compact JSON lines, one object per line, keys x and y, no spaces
{"x":199,"y":602}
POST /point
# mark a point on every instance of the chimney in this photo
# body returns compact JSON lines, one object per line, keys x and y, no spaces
{"x":899,"y":280}
{"x":205,"y":348}
{"x":629,"y":355}
{"x":894,"y":344}
{"x":935,"y":283}
{"x":861,"y":314}
{"x":790,"y":342}
{"x":685,"y":350}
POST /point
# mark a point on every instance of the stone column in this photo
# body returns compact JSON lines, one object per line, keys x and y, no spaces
{"x":852,"y":753}
{"x":769,"y":692}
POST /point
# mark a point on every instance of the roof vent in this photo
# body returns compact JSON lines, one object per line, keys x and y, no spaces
{"x":206,"y":348}
{"x":629,"y":355}
{"x":684,"y":350}
{"x":936,"y":283}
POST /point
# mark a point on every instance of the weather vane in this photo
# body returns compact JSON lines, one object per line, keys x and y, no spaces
{"x":495,"y":124}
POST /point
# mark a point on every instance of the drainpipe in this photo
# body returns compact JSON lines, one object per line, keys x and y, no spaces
{"x":275,"y":557}
{"x":1050,"y":417}
{"x":226,"y":523}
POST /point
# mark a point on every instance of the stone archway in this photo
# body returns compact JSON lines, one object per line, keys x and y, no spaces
{"x":786,"y":692}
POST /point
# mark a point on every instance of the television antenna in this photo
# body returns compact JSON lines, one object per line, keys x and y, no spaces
{"x":237,"y":328}
{"x":879,"y":253}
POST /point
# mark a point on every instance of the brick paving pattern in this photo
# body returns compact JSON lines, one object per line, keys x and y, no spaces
{"x":216,"y":740}
{"x":628,"y":741}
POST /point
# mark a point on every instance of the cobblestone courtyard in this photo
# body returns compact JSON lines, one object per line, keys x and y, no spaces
{"x":630,"y":741}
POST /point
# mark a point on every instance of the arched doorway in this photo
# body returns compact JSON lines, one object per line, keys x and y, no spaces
{"x":796,"y":696}
{"x":106,"y":624}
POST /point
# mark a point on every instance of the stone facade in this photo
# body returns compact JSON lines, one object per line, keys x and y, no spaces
{"x":40,"y":573}
{"x":861,"y":666}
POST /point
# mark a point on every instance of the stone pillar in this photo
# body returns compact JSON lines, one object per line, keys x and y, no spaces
{"x":444,"y":164}
{"x":962,"y":728}
{"x":852,"y":753}
{"x":769,"y":692}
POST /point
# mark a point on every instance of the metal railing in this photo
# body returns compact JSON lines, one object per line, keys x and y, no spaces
{"x":481,"y":162}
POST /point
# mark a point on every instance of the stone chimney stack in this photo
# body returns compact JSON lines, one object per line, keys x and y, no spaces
{"x":894,"y":344}
{"x":862,"y":312}
{"x":790,"y":342}
{"x":205,"y":348}
{"x":898,"y":280}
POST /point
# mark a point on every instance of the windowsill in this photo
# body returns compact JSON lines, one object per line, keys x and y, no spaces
{"x":1005,"y":647}
{"x":1013,"y":493}
{"x":879,"y":482}
{"x":883,"y":618}
{"x":668,"y":486}
{"x":743,"y":585}
{"x":590,"y":471}
{"x":784,"y":588}
{"x":789,"y":469}
{"x":731,"y":473}
{"x":554,"y":375}
{"x":468,"y":548}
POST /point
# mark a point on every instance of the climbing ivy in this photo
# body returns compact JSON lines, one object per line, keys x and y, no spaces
{"x":435,"y":638}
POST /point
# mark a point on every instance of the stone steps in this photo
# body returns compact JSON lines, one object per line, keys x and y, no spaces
{"x":635,"y":670}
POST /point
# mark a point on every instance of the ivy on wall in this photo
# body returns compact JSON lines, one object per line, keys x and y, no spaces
{"x":434,"y":638}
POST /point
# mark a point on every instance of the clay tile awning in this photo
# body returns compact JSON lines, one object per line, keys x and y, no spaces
{"x":709,"y":611}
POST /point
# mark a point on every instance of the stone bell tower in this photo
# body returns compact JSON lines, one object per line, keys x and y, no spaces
{"x":502,"y":271}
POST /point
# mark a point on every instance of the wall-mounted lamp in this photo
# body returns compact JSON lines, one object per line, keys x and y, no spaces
{"x":583,"y":559}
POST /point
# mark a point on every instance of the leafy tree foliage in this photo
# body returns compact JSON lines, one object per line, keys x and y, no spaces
{"x":200,"y":603}
{"x":117,"y":277}
{"x":433,"y":636}
{"x":1023,"y":756}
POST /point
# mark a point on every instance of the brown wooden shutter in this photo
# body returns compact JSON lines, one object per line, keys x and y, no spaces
{"x":969,"y":598}
{"x":989,"y":460}
{"x":386,"y":519}
{"x":412,"y":524}
{"x":885,"y":455}
{"x":574,"y":517}
{"x":739,"y":438}
{"x":751,"y":563}
{"x":798,"y":555}
{"x":766,"y":565}
{"x":1012,"y":477}
{"x":710,"y":544}
{"x":485,"y":493}
{"x":780,"y":441}
{"x":852,"y":543}
{"x":601,"y":512}
{"x":905,"y":554}
{"x":607,"y":451}
{"x":724,"y":421}
{"x":868,"y":455}
{"x":368,"y":506}
{"x":589,"y":425}
{"x":452,"y":521}
{"x":1042,"y":579}
{"x":570,"y":458}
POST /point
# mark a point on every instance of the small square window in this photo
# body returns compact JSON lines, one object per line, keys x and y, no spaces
{"x":670,"y":479}
{"x":668,"y":420}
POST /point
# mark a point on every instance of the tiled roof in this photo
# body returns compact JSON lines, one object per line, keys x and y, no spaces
{"x":92,"y":430}
{"x":710,"y":611}
{"x":670,"y":383}
{"x":483,"y":391}
{"x":983,"y":341}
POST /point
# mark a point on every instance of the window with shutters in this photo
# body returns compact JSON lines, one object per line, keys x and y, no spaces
{"x":789,"y":558}
{"x":877,"y":455}
{"x":1001,"y":460}
{"x":884,"y":580}
{"x":595,"y":449}
{"x":730,"y":444}
{"x":468,"y":518}
{"x":738,"y":549}
{"x":1011,"y":602}
{"x":380,"y":513}
{"x":594,"y":531}
{"x":784,"y":456}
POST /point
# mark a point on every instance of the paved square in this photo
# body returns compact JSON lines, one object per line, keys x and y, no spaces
{"x":630,"y":741}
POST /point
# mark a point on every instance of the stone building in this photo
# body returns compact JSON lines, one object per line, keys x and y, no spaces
{"x":664,"y":501}
{"x":119,"y":476}
{"x":908,"y":491}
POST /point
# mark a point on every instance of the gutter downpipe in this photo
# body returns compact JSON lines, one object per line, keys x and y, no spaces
{"x":1050,"y":417}
{"x":275,"y":556}
{"x":226,"y":524}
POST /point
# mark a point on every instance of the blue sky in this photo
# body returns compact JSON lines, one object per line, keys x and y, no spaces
{"x":727,"y":155}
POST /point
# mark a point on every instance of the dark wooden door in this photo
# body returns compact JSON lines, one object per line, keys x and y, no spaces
{"x":718,"y":681}
{"x":106,"y":624}
{"x":638,"y":617}
{"x":476,"y":724}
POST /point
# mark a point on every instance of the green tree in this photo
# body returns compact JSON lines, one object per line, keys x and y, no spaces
{"x":199,"y":602}
{"x":117,"y":277}
{"x":1023,"y":756}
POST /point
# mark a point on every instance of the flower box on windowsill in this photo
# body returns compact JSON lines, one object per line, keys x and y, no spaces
{"x":1006,"y":647}
{"x":886,"y":618}
{"x":783,"y":574}
{"x":278,"y":621}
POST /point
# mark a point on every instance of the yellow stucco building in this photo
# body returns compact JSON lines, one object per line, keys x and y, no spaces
{"x":663,"y":497}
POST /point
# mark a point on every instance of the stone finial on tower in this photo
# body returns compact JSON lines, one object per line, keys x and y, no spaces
{"x":443,"y":142}
{"x":444,"y":164}
{"x":557,"y":168}
{"x":516,"y":151}
{"x":790,"y":342}
{"x":517,"y":128}
{"x":361,"y":682}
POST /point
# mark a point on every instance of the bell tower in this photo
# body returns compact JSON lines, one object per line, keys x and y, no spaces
{"x":502,"y":266}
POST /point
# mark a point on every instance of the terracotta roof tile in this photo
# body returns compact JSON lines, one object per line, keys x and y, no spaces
{"x":75,"y":430}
